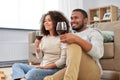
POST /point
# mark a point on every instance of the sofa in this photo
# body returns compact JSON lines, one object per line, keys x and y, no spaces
{"x":110,"y":61}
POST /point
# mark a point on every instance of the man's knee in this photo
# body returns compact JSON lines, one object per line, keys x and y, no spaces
{"x":57,"y":76}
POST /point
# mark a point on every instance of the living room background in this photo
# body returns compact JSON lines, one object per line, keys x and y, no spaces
{"x":14,"y":41}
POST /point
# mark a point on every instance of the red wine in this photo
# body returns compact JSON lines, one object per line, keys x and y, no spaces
{"x":39,"y":37}
{"x":61,"y":31}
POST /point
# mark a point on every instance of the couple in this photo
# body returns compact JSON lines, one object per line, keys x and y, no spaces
{"x":82,"y":65}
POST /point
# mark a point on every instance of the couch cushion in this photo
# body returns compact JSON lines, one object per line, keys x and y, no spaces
{"x":108,"y":50}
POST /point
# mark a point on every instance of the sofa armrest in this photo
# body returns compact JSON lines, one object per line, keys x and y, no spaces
{"x":117,"y":50}
{"x":32,"y":56}
{"x":31,"y":37}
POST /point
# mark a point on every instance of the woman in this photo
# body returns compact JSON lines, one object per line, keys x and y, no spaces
{"x":54,"y":53}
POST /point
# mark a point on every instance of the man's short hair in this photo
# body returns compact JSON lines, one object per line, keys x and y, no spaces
{"x":81,"y":11}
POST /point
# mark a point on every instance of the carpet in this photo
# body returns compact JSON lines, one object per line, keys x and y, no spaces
{"x":8,"y":72}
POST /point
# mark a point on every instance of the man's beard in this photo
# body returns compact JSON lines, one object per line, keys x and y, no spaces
{"x":78,"y":28}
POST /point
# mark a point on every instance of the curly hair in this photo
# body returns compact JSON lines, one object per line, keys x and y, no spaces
{"x":56,"y":16}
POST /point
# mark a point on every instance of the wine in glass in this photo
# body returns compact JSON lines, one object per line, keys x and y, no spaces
{"x":38,"y":35}
{"x":61,"y":28}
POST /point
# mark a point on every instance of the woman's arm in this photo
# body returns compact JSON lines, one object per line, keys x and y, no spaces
{"x":61,"y":62}
{"x":49,"y":66}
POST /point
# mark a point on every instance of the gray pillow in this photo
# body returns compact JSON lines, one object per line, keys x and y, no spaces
{"x":108,"y":36}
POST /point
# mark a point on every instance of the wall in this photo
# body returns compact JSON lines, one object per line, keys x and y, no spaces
{"x":108,"y":2}
{"x":98,"y":3}
{"x":67,"y":6}
{"x":87,"y":4}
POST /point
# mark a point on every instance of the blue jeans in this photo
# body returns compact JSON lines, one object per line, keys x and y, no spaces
{"x":20,"y":70}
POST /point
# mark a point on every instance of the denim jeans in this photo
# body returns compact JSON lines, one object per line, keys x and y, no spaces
{"x":20,"y":70}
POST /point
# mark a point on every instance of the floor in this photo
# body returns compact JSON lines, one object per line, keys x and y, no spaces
{"x":8,"y":72}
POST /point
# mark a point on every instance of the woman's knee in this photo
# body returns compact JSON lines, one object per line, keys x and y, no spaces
{"x":34,"y":74}
{"x":16,"y":65}
{"x":30,"y":75}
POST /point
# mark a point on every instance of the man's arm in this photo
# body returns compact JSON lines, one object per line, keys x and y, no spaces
{"x":71,"y":38}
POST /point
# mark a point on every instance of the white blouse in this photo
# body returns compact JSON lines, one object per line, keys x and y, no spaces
{"x":53,"y":50}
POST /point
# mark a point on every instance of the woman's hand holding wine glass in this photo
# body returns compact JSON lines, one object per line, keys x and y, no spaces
{"x":37,"y":42}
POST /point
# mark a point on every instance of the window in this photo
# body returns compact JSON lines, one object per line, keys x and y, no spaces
{"x":24,"y":14}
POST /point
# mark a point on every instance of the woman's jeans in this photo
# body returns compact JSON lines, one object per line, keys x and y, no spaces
{"x":20,"y":70}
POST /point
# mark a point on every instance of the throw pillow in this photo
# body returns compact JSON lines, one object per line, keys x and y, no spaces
{"x":108,"y":36}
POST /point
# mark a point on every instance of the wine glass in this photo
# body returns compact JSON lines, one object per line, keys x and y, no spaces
{"x":61,"y":28}
{"x":38,"y":35}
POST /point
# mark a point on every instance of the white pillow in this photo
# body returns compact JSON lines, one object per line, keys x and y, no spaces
{"x":108,"y":36}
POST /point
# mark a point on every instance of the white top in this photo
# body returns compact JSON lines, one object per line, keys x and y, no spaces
{"x":95,"y":37}
{"x":53,"y":50}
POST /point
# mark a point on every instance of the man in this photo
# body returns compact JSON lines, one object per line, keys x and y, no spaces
{"x":84,"y":63}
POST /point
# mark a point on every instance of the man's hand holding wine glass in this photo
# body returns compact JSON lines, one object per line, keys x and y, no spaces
{"x":61,"y":28}
{"x":68,"y":38}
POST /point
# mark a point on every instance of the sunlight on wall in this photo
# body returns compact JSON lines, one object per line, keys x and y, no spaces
{"x":24,"y":14}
